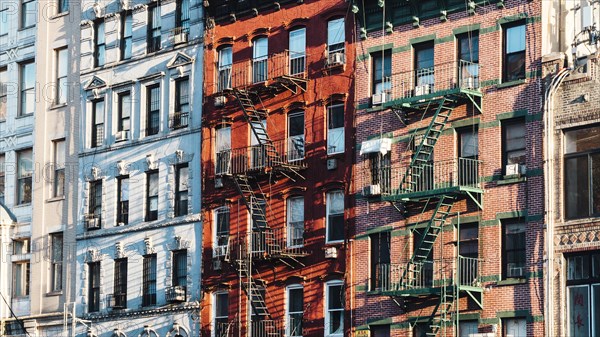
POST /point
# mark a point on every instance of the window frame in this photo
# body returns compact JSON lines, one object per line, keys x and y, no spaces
{"x":331,"y":149}
{"x":124,"y":105}
{"x":506,"y":77}
{"x":260,"y":67}
{"x":505,"y":252}
{"x":154,"y":34}
{"x":219,"y":235}
{"x":181,"y":195}
{"x":120,"y":282}
{"x":504,"y":325}
{"x":62,"y":88}
{"x":297,"y":59}
{"x":150,"y":216}
{"x":424,"y":67}
{"x":99,"y":43}
{"x":2,"y":177}
{"x":62,"y":6}
{"x":181,"y":21}
{"x":149,"y":280}
{"x":21,"y":286}
{"x":26,"y":89}
{"x":289,"y":313}
{"x":381,"y":81}
{"x":508,"y":124}
{"x":179,"y":273}
{"x":216,"y":321}
{"x":224,"y":67}
{"x":126,"y":35}
{"x":293,"y":228}
{"x":3,"y":91}
{"x":98,"y":129}
{"x":223,"y":150}
{"x":335,"y":44}
{"x":328,"y":215}
{"x":95,"y":193}
{"x":25,"y":12}
{"x":59,"y":181}
{"x":94,"y":286}
{"x":3,"y":19}
{"x":24,"y":179}
{"x":122,"y":204}
{"x":153,"y":109}
{"x":383,"y":255}
{"x":295,"y":151}
{"x":181,"y":113}
{"x":328,"y":310}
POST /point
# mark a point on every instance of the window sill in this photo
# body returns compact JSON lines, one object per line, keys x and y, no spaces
{"x":511,"y":281}
{"x":334,"y":243}
{"x":23,"y":116}
{"x":54,"y":293}
{"x":59,"y":15}
{"x":25,"y":28}
{"x":55,"y":199}
{"x":27,"y":204}
{"x":510,"y":84}
{"x":512,"y":179}
{"x":57,"y":106}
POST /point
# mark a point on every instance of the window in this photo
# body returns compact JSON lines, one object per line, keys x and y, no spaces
{"x":58,"y":188}
{"x":221,"y":238}
{"x":516,"y":327}
{"x":180,"y":268}
{"x":223,"y":150}
{"x":335,"y":129}
{"x":380,"y":330}
{"x":99,"y":44}
{"x":149,"y":280}
{"x":425,"y":277}
{"x":3,"y":91}
{"x":468,"y":58}
{"x":21,"y":278}
{"x":335,"y":216}
{"x":380,"y":260}
{"x":468,"y":249}
{"x":515,"y":252}
{"x":260,"y":49}
{"x":298,"y":51}
{"x":221,"y":313}
{"x":3,"y":18}
{"x":334,"y":308}
{"x":468,"y":328}
{"x":120,"y":285}
{"x":154,"y":26}
{"x":97,"y":123}
{"x":126,"y":32}
{"x":295,"y":221}
{"x":93,"y":286}
{"x":513,"y":136}
{"x":95,"y":204}
{"x":336,"y":39}
{"x":56,"y":258}
{"x":183,"y":15}
{"x":24,"y":175}
{"x":151,"y":195}
{"x":28,"y":13}
{"x":259,"y":155}
{"x":124,"y":110}
{"x":424,"y":68}
{"x":21,"y":246}
{"x":583,"y":294}
{"x":153,"y":110}
{"x":182,"y":104}
{"x":380,"y":167}
{"x":123,"y":200}
{"x":514,"y":52}
{"x":295,"y":136}
{"x":224,"y":68}
{"x":582,"y":172}
{"x":62,"y":88}
{"x":295,"y":310}
{"x":382,"y":71}
{"x":2,"y":178}
{"x":181,"y":190}
{"x":63,"y":6}
{"x":27,"y":91}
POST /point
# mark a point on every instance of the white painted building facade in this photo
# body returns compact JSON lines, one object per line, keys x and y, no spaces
{"x":138,"y":224}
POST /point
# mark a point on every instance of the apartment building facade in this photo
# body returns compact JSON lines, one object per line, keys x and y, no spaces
{"x":570,"y":70}
{"x":277,"y":154}
{"x":449,"y":185}
{"x":138,"y":221}
{"x":38,"y":106}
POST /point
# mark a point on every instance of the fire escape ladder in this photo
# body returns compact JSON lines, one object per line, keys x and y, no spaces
{"x":444,"y":309}
{"x":412,"y":273}
{"x":422,"y":155}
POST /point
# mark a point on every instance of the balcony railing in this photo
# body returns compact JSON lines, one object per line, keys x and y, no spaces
{"x":260,"y":328}
{"x":180,"y":120}
{"x":117,"y":301}
{"x":461,"y":172}
{"x":175,"y":294}
{"x":256,"y":157}
{"x":432,"y":274}
{"x":441,"y":77}
{"x":252,"y":71}
{"x":276,"y":242}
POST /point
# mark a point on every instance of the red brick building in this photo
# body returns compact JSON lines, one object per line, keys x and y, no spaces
{"x":449,"y":185}
{"x":277,"y":158}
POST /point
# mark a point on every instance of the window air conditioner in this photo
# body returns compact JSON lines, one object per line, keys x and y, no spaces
{"x":371,"y":190}
{"x":217,"y":264}
{"x":515,"y":169}
{"x":122,"y":135}
{"x":423,"y":89}
{"x":469,"y":83}
{"x":513,"y":271}
{"x":92,"y":223}
{"x":119,"y":224}
{"x":220,"y":101}
{"x":180,"y":36}
{"x":331,"y":253}
{"x":379,"y":98}
{"x":335,"y":59}
{"x":219,"y":251}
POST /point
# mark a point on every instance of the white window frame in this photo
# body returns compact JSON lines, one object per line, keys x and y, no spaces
{"x":335,"y":136}
{"x":222,"y":146}
{"x":224,"y":67}
{"x":216,"y":212}
{"x":62,"y":59}
{"x":327,"y":214}
{"x":333,"y":283}
{"x":288,"y":313}
{"x":291,"y":237}
{"x":297,"y":57}
{"x":334,"y":38}
{"x":293,"y":154}
{"x":214,"y":312}
{"x":27,"y":88}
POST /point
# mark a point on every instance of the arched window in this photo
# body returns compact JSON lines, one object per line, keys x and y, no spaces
{"x":334,"y":308}
{"x":224,"y":65}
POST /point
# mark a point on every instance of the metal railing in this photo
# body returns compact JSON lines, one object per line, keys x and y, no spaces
{"x":463,"y":172}
{"x":271,"y":242}
{"x":180,"y":120}
{"x":431,"y":274}
{"x":257,"y":157}
{"x":260,"y":328}
{"x":252,"y":71}
{"x":175,"y":294}
{"x":117,"y":301}
{"x":425,"y":81}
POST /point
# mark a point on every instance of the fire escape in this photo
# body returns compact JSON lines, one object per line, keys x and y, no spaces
{"x":255,"y":165}
{"x":434,"y":187}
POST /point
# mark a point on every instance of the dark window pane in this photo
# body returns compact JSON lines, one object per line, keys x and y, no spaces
{"x":582,"y":140}
{"x":577,"y":187}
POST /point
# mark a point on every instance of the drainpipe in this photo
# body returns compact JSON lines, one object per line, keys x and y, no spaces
{"x":549,"y":174}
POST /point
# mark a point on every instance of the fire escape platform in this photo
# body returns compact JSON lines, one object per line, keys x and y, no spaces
{"x":431,"y":291}
{"x":421,"y":195}
{"x":420,"y":101}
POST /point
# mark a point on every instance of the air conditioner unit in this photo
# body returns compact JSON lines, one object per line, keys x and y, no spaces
{"x":220,"y":101}
{"x":512,"y":270}
{"x":180,"y":37}
{"x":421,"y":90}
{"x":218,"y":182}
{"x":92,"y":223}
{"x":119,"y":224}
{"x":335,"y":59}
{"x":469,"y":83}
{"x":175,"y":294}
{"x":331,"y":164}
{"x":515,"y":169}
{"x":122,"y":135}
{"x":219,"y":251}
{"x":371,"y":190}
{"x":331,"y":253}
{"x":217,"y":264}
{"x":379,"y":98}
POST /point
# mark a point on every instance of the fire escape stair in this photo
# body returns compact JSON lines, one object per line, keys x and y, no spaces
{"x":444,"y":310}
{"x":294,"y":84}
